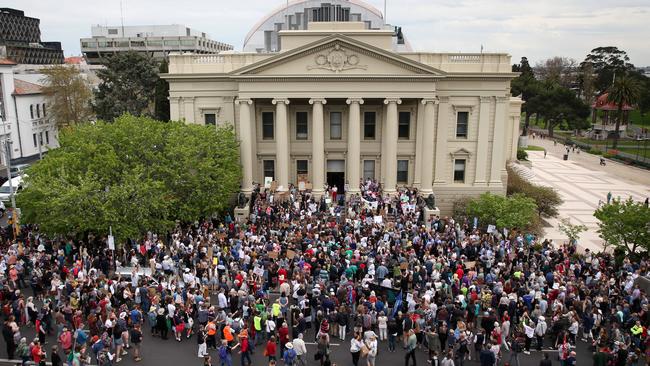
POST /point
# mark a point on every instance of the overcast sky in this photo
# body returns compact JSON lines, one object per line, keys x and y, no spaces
{"x":538,"y":29}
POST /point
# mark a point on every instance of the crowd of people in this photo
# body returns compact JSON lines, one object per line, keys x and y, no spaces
{"x":360,"y":271}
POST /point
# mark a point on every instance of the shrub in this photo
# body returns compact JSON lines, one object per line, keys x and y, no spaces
{"x":595,"y":151}
{"x":608,"y":155}
{"x":547,"y":199}
{"x":522,"y":154}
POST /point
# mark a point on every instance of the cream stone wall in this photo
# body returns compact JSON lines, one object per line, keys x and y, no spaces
{"x":338,"y":72}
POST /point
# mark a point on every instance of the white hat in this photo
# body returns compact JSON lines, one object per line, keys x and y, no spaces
{"x":122,"y":315}
{"x":187,"y":270}
{"x":541,"y":318}
{"x":289,"y":345}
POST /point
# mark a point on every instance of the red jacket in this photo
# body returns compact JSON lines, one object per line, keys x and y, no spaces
{"x":271,"y":348}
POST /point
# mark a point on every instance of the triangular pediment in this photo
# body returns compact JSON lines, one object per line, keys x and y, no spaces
{"x":338,"y":56}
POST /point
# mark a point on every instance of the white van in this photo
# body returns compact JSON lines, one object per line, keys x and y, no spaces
{"x":5,"y":191}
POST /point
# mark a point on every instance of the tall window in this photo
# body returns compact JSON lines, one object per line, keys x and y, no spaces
{"x":43,"y":109}
{"x":269,"y":168}
{"x":302,"y":167}
{"x":35,"y":141}
{"x":368,"y":169}
{"x":38,"y":111}
{"x":462,"y":119}
{"x":210,"y":119}
{"x":267,"y":125}
{"x":404,"y":126}
{"x":47,"y":137}
{"x":336,"y":126}
{"x":402,"y":171}
{"x":369,"y":125}
{"x":31,"y":111}
{"x":302,"y":129}
{"x":459,"y":171}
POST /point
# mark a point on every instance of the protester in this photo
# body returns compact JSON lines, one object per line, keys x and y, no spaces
{"x":325,"y":266}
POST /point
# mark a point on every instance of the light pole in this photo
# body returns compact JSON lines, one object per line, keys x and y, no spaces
{"x":7,"y":148}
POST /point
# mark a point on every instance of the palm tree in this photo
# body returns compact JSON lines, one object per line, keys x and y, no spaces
{"x":624,"y":91}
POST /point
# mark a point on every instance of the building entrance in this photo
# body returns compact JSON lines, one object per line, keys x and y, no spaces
{"x":336,"y":174}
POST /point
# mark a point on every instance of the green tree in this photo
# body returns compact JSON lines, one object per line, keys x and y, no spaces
{"x":546,"y":198}
{"x":624,"y":224}
{"x":161,"y":100}
{"x":572,"y":231}
{"x":607,"y":62}
{"x":514,"y":212}
{"x":68,"y":95}
{"x":625,"y":90}
{"x":135,"y":174}
{"x":528,"y":87}
{"x":559,"y":70}
{"x":128,"y":85}
{"x":559,"y":104}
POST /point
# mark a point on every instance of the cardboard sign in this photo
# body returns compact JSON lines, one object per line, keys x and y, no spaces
{"x":404,"y":265}
{"x":470,"y":265}
{"x":273,"y":254}
{"x":301,"y":186}
{"x":291,"y":254}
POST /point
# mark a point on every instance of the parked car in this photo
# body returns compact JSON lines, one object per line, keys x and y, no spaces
{"x":5,"y":191}
{"x":18,"y":170}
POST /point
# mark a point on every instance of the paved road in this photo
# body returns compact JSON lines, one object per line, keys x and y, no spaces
{"x":156,"y":351}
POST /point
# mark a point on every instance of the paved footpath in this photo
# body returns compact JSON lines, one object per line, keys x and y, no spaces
{"x":582,"y":183}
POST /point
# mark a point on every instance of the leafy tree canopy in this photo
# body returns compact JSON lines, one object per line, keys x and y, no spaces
{"x":128,"y":85}
{"x":135,"y":174}
{"x":546,"y":198}
{"x":514,"y":212}
{"x":558,"y":104}
{"x":605,"y":62}
{"x":625,"y":224}
{"x":625,"y":90}
{"x":527,"y":86}
{"x":69,"y":95}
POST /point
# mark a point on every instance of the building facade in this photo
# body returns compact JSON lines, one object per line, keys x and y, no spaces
{"x":20,"y":40}
{"x":338,"y":104}
{"x":156,"y":41}
{"x":298,"y":14}
{"x":24,"y":114}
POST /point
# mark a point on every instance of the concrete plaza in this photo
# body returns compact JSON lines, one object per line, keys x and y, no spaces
{"x":582,"y":183}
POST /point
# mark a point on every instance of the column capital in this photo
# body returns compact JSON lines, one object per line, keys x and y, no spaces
{"x":284,"y":101}
{"x":425,"y":101}
{"x":392,"y":100}
{"x":485,"y":99}
{"x":244,"y":101}
{"x":354,"y":100}
{"x":502,"y":99}
{"x":317,"y":100}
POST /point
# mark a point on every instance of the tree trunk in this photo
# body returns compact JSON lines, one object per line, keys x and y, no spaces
{"x":524,"y":132}
{"x":618,"y":124}
{"x":550,"y":128}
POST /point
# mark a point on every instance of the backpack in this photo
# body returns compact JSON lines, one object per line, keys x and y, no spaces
{"x":223,"y":352}
{"x":290,"y":356}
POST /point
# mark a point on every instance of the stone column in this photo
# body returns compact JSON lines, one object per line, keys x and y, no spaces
{"x":426,"y":154}
{"x":318,"y":146}
{"x":442,"y":134}
{"x":246,"y":141}
{"x":482,"y":144}
{"x":389,"y":155}
{"x":498,"y":142}
{"x":188,"y":109}
{"x":354,"y":140}
{"x":282,"y":143}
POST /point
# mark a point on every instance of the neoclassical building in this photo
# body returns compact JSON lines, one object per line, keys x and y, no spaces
{"x":338,"y":103}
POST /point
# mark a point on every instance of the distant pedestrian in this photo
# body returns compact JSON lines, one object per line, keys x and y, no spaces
{"x":609,"y":197}
{"x":544,"y":153}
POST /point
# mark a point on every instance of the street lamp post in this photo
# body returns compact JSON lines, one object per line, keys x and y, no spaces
{"x":7,"y":146}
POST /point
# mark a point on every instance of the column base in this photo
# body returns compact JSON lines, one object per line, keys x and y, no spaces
{"x":429,"y":214}
{"x":242,"y":213}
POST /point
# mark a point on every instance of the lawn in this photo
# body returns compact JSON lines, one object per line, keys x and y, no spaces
{"x":634,"y":151}
{"x":534,"y":148}
{"x":637,"y":119}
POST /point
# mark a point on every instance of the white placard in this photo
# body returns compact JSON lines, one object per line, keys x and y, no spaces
{"x":267,"y":182}
{"x":378,"y":219}
{"x":111,"y":242}
{"x":491,"y":229}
